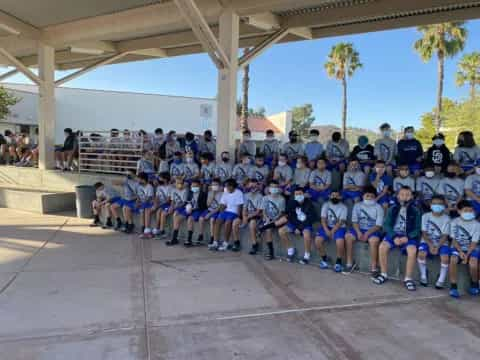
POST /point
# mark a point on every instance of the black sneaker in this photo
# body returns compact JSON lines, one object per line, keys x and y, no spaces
{"x":95,"y":224}
{"x":171,"y":242}
{"x":118,"y":227}
{"x":236,"y":246}
{"x":254,"y":249}
{"x":107,"y":225}
{"x":199,"y":241}
{"x":188,"y":243}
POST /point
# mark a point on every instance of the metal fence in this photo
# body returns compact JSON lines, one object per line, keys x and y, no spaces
{"x":102,"y":152}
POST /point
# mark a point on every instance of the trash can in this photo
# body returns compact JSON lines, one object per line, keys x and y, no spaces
{"x":85,"y":194}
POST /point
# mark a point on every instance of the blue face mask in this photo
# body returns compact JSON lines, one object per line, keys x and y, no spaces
{"x":437,"y":208}
{"x":468,"y":216}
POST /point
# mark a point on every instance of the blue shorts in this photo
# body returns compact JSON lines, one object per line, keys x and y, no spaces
{"x":442,"y":251}
{"x":227,"y":216}
{"x":116,"y":200}
{"x":315,"y":195}
{"x":475,"y":253}
{"x":128,"y":203}
{"x":354,"y":234}
{"x":338,"y":235}
{"x":196,"y":214}
{"x":349,"y":194}
{"x":164,"y":207}
{"x":205,"y":213}
{"x":291,"y":228}
{"x":143,"y":206}
{"x":182,"y":211}
{"x":403,"y":248}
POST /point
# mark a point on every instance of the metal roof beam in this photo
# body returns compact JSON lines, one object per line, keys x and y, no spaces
{"x":20,"y":66}
{"x":6,"y":75}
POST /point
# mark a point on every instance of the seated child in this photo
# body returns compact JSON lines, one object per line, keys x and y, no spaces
{"x":213,"y":203}
{"x":300,"y":216}
{"x":259,"y":171}
{"x":472,"y":189}
{"x":161,"y":204}
{"x":190,"y":168}
{"x":251,"y":211}
{"x":231,"y":204}
{"x":403,"y":180}
{"x":452,"y":187}
{"x":320,"y":181}
{"x":367,"y":221}
{"x":434,"y":242}
{"x":427,"y":186}
{"x":207,"y":170}
{"x":402,"y":228}
{"x":223,"y":170}
{"x":382,"y":182}
{"x":333,"y":218}
{"x":178,"y":201}
{"x":107,"y":197}
{"x":300,"y":176}
{"x":465,"y":234}
{"x":354,"y":181}
{"x":145,"y":195}
{"x":283,"y":173}
{"x":177,"y":167}
{"x":240,"y":171}
{"x":129,"y":200}
{"x":145,"y":164}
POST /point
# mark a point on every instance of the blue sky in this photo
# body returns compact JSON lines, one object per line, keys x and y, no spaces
{"x":394,"y":84}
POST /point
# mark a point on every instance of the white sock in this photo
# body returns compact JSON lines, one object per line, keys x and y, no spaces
{"x":147,"y":231}
{"x":155,"y":231}
{"x":225,"y":243}
{"x":307,"y":255}
{"x":385,"y":275}
{"x":215,"y":243}
{"x":407,"y":279}
{"x":443,"y":273}
{"x":291,"y":251}
{"x":65,"y":164}
{"x":422,"y":265}
{"x":59,"y":163}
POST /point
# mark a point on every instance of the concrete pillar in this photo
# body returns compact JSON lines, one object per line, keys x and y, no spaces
{"x":46,"y":106}
{"x":227,"y":83}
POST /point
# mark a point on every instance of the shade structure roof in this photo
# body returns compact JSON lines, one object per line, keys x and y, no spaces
{"x":87,"y":31}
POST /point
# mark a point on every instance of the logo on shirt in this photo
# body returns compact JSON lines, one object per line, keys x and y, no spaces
{"x":332,"y":218}
{"x":434,"y":231}
{"x":465,"y":158}
{"x":385,"y":152}
{"x":336,"y":151}
{"x":462,"y":236}
{"x":427,"y":191}
{"x":177,"y":199}
{"x":318,"y":180}
{"x":271,"y":210}
{"x":365,"y":221}
{"x":176,"y":171}
{"x":451,"y":193}
{"x":437,"y":157}
{"x":350,"y":180}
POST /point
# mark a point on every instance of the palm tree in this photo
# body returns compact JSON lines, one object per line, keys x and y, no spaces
{"x":245,"y":88}
{"x":445,"y":40}
{"x":469,"y":72}
{"x":342,"y":63}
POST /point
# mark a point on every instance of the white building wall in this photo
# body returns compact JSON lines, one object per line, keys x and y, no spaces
{"x":102,"y":110}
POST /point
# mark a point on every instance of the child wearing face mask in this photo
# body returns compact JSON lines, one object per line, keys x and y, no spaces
{"x":145,"y":195}
{"x":300,"y":217}
{"x":145,"y":164}
{"x":210,"y":215}
{"x":251,"y":212}
{"x":161,"y":204}
{"x":283,"y":173}
{"x":241,"y":171}
{"x":190,"y":168}
{"x":467,"y":153}
{"x":364,"y":153}
{"x":434,"y":241}
{"x":386,"y":148}
{"x":427,"y":186}
{"x":247,"y":146}
{"x":438,"y":154}
{"x":177,"y":167}
{"x":313,"y":148}
{"x":194,"y":208}
{"x":178,"y":201}
{"x":223,"y":169}
{"x":403,"y":179}
{"x":337,"y":152}
{"x":367,"y":222}
{"x":207,"y":169}
{"x":320,"y":181}
{"x":452,"y":187}
{"x":472,"y":189}
{"x":333,"y":218}
{"x":302,"y":173}
{"x":259,"y":171}
{"x":382,"y":182}
{"x":293,"y":148}
{"x":410,"y":151}
{"x":465,"y":234}
{"x":354,"y":181}
{"x":270,"y":148}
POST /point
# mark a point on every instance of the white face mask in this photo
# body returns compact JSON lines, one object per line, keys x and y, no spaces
{"x":379,"y":170}
{"x":429,"y":174}
{"x":299,"y":165}
{"x":409,"y":135}
{"x":215,"y":187}
{"x":270,"y":138}
{"x":189,"y":160}
{"x":369,"y":202}
{"x":313,"y":138}
{"x":246,"y":137}
{"x":282,"y":163}
{"x":438,"y":142}
{"x":387,"y":133}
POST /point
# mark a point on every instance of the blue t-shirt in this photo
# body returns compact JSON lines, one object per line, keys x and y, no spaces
{"x":385,"y":180}
{"x":313,"y":150}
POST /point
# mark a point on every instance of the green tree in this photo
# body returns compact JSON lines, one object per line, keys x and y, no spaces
{"x":445,"y":41}
{"x":259,"y":112}
{"x":469,"y":72}
{"x":302,"y":119}
{"x":342,"y":63}
{"x":425,"y":133}
{"x":6,"y":101}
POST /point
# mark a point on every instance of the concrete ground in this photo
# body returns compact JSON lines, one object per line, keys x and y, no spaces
{"x":68,"y":291}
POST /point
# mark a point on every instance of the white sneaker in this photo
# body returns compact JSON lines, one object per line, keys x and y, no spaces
{"x":223,"y":247}
{"x":155,"y":231}
{"x":213,"y":246}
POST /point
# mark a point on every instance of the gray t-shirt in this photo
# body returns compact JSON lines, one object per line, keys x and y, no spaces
{"x":273,"y":207}
{"x":318,"y":178}
{"x":465,"y":232}
{"x":240,"y":172}
{"x":163,"y":166}
{"x":452,"y":189}
{"x":248,"y":147}
{"x":400,"y":226}
{"x":367,"y":216}
{"x":283,"y":173}
{"x":207,"y":146}
{"x":466,"y":156}
{"x":177,"y":170}
{"x":253,"y":202}
{"x":223,"y":171}
{"x":130,"y":189}
{"x":213,"y":200}
{"x":179,"y":197}
{"x":386,"y":150}
{"x":146,"y":166}
{"x":107,"y":193}
{"x":472,"y":183}
{"x":334,"y":213}
{"x":427,"y":187}
{"x":355,"y":178}
{"x":293,"y":150}
{"x":191,"y":170}
{"x":301,"y":176}
{"x":435,"y":226}
{"x":259,"y":173}
{"x":399,"y":182}
{"x":337,"y":151}
{"x":145,"y":193}
{"x":207,"y":171}
{"x":163,"y":193}
{"x":270,"y":148}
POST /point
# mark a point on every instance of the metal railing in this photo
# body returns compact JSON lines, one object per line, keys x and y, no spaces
{"x":100,"y":152}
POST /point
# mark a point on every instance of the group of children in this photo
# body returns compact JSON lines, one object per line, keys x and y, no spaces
{"x":428,"y":209}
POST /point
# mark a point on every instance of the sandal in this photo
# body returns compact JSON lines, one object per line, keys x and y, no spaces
{"x":410,"y":285}
{"x":379,"y":280}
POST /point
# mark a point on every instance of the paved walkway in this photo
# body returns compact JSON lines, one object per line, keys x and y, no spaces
{"x":71,"y":292}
